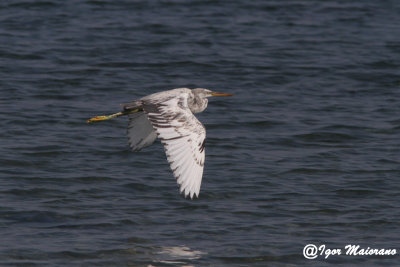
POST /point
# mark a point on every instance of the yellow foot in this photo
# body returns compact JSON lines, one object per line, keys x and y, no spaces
{"x":98,"y":118}
{"x":103,"y":118}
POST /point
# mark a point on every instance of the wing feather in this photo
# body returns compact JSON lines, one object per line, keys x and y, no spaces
{"x":140,"y":131}
{"x":182,"y":136}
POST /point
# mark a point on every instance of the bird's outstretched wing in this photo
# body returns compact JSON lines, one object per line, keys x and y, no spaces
{"x":140,"y":131}
{"x":183,"y":138}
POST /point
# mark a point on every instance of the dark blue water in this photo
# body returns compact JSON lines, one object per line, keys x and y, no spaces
{"x":307,"y":152}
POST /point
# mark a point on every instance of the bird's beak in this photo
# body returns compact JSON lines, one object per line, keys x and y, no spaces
{"x":220,"y":94}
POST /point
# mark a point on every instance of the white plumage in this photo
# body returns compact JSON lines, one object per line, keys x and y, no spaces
{"x":169,"y":115}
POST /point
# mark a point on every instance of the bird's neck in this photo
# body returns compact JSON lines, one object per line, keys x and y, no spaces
{"x":197,"y":104}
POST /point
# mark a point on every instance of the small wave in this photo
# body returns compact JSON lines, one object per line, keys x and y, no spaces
{"x":178,"y":255}
{"x":181,"y":252}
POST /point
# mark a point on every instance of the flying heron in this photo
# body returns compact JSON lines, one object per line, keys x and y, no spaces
{"x":169,"y":116}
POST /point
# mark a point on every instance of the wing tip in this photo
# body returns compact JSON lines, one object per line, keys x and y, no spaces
{"x":187,"y":192}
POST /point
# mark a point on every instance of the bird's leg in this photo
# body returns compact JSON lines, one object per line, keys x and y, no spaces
{"x":107,"y":117}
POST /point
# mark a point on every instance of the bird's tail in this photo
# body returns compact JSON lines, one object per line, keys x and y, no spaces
{"x":107,"y":117}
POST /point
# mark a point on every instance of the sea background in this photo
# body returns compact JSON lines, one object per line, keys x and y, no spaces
{"x":306,"y":152}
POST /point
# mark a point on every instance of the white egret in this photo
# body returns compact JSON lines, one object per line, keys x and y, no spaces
{"x":169,"y":116}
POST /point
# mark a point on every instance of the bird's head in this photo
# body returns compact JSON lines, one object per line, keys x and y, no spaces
{"x":198,"y":101}
{"x":203,"y":93}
